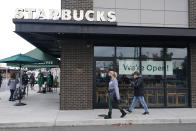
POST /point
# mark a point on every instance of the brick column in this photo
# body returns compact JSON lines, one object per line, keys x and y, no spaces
{"x":76,"y":76}
{"x":192,"y":24}
{"x":192,"y":13}
{"x":193,"y":74}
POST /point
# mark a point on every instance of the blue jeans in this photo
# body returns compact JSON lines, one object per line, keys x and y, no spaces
{"x":142,"y":101}
{"x":24,"y":88}
{"x":12,"y":94}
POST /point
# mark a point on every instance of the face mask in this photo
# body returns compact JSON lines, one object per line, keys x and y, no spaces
{"x":134,"y":76}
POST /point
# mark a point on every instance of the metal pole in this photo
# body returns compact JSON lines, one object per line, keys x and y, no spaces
{"x":20,"y":93}
{"x":20,"y":83}
{"x":27,"y":89}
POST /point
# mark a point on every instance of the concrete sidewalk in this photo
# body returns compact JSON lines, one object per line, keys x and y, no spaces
{"x":43,"y":110}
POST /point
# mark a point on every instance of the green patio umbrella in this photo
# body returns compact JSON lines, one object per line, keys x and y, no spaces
{"x":48,"y":60}
{"x":20,"y":60}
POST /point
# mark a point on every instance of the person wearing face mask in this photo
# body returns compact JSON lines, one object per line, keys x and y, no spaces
{"x":113,"y":95}
{"x":138,"y":93}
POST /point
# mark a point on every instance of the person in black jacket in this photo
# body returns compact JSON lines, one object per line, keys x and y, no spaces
{"x":1,"y":79}
{"x":25,"y":80}
{"x":32,"y":81}
{"x":138,"y":93}
{"x":50,"y":81}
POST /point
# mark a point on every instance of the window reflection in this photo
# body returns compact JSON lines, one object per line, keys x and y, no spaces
{"x":153,"y":73}
{"x":177,"y":98}
{"x":102,"y":69}
{"x":156,"y":53}
{"x":102,"y":80}
{"x":176,"y":53}
{"x":127,"y":52}
{"x":179,"y":77}
{"x":125,"y":79}
{"x":154,"y":98}
{"x":103,"y":51}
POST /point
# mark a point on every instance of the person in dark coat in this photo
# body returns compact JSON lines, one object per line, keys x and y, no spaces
{"x":25,"y":80}
{"x":138,"y":93}
{"x":32,"y":81}
{"x":50,"y":81}
{"x":1,"y":79}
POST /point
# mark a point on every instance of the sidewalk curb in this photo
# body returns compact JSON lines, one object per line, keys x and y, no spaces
{"x":26,"y":125}
{"x":99,"y":122}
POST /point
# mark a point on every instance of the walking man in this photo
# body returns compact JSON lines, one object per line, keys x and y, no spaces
{"x":138,"y":93}
{"x":25,"y":80}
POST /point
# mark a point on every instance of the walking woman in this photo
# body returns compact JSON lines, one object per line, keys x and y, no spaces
{"x":113,"y":94}
{"x":12,"y":85}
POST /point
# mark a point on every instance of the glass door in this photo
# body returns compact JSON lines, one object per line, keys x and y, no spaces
{"x":101,"y":82}
{"x":177,"y":83}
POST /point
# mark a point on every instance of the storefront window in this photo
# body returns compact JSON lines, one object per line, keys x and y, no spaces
{"x":164,"y":71}
{"x":153,"y":76}
{"x":102,"y":80}
{"x":176,"y":83}
{"x":155,"y":53}
{"x":177,"y":98}
{"x":176,"y":53}
{"x":154,"y":97}
{"x":132,"y":52}
{"x":102,"y":51}
{"x":178,"y":78}
{"x":126,"y":67}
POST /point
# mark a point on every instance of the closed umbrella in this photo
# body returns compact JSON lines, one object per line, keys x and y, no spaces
{"x":20,"y":60}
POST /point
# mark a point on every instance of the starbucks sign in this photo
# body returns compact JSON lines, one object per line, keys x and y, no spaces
{"x":65,"y":14}
{"x":148,"y":67}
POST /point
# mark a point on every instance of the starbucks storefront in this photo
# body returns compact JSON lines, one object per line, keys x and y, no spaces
{"x":92,"y":37}
{"x":166,"y":58}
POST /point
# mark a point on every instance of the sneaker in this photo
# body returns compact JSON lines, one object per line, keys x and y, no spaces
{"x":123,"y":115}
{"x":107,"y":117}
{"x":146,"y":113}
{"x":129,"y":111}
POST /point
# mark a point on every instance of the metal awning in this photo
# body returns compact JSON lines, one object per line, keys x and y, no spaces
{"x":45,"y":34}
